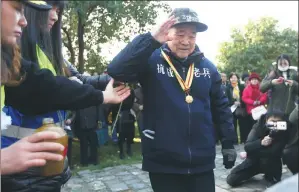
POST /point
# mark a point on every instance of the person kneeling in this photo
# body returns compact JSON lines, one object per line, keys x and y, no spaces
{"x":264,"y":147}
{"x":290,"y":153}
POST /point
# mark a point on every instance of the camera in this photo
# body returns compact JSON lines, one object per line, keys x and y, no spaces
{"x":279,"y":125}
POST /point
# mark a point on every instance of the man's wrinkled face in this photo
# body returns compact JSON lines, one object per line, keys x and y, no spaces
{"x":183,"y":39}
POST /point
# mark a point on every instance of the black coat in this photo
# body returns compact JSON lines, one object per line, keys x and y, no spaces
{"x":42,"y":92}
{"x":253,"y":145}
{"x":229,"y":94}
{"x":87,"y":119}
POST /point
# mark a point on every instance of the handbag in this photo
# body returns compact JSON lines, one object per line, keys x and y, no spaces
{"x":258,"y":111}
{"x":240,"y":112}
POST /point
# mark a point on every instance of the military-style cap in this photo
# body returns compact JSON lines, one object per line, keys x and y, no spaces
{"x":40,"y":5}
{"x":187,"y":15}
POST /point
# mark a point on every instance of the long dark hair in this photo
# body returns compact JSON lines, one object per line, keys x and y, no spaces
{"x":56,"y":36}
{"x":36,"y":34}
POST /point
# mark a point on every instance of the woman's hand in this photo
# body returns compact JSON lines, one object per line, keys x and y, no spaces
{"x":115,"y":95}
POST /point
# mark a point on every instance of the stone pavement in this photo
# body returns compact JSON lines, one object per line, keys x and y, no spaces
{"x":130,"y":178}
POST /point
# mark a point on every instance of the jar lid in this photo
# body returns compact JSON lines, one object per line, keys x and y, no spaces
{"x":48,"y":120}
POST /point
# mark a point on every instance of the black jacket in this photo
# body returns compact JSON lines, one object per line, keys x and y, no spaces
{"x":229,"y":94}
{"x":42,"y":92}
{"x":86,"y":119}
{"x":253,"y":145}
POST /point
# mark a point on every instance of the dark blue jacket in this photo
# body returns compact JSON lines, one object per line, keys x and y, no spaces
{"x":184,"y":141}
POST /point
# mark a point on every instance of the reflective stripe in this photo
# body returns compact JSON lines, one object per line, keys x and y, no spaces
{"x":44,"y":61}
{"x":2,"y":97}
{"x":19,"y":132}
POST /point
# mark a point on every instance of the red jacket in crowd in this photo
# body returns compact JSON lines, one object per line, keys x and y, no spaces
{"x":252,"y":93}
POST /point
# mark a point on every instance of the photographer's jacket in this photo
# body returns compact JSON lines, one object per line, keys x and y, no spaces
{"x":184,"y":139}
{"x":253,"y":145}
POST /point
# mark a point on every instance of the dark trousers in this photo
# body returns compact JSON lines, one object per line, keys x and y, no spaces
{"x":272,"y":168}
{"x":126,"y":135}
{"x":88,"y":147}
{"x":290,"y":158}
{"x":244,"y":127}
{"x":126,"y":132}
{"x":246,"y":124}
{"x":183,"y":183}
{"x":217,"y":133}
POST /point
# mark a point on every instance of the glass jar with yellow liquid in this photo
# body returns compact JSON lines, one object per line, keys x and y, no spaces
{"x":54,"y":167}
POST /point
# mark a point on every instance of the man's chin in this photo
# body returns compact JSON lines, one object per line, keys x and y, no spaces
{"x":182,"y":56}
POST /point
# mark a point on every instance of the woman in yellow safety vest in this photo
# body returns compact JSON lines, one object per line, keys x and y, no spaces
{"x":27,"y":152}
{"x":41,"y":44}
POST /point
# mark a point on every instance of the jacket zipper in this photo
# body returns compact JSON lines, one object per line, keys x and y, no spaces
{"x":189,"y":130}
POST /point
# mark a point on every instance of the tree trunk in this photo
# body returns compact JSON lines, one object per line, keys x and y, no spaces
{"x":81,"y":44}
{"x":69,"y":45}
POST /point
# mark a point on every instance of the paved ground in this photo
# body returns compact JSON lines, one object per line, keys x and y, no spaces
{"x":130,"y":178}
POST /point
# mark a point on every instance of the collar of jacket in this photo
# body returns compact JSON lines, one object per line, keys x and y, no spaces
{"x":194,"y":57}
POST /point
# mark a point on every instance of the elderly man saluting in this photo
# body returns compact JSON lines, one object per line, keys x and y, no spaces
{"x":182,"y":89}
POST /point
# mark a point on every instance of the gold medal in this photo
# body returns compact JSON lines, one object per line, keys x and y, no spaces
{"x":185,"y":85}
{"x":189,"y":99}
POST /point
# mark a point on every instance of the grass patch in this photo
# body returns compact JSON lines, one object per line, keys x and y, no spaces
{"x":108,"y":155}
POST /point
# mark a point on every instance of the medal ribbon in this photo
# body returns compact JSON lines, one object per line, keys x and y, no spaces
{"x":185,"y":85}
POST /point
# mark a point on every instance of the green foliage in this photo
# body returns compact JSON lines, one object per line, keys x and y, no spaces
{"x":104,"y":21}
{"x":256,"y":46}
{"x":95,"y":63}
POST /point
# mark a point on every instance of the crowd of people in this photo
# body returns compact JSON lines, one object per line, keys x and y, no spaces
{"x":266,"y":149}
{"x":178,"y":99}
